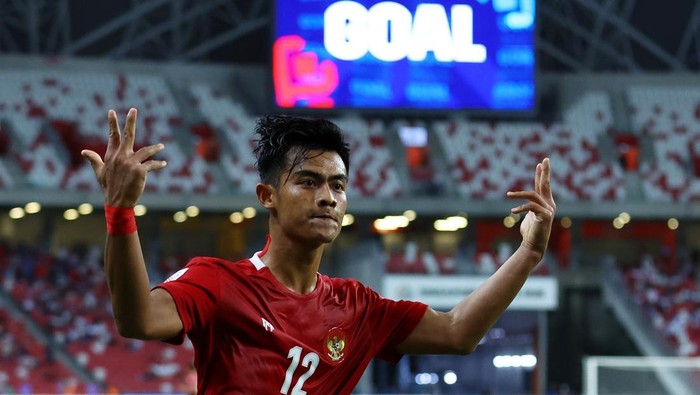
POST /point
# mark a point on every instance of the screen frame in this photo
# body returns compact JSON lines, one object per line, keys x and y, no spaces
{"x":407,"y":112}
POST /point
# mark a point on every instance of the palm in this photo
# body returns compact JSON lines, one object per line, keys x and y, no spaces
{"x":539,"y":210}
{"x":531,"y":230}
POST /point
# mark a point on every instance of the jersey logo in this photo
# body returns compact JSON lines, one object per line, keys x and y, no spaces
{"x":176,"y":275}
{"x":267,"y":325}
{"x":335,"y":344}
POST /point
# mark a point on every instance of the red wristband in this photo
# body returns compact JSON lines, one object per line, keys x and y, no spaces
{"x":120,"y":220}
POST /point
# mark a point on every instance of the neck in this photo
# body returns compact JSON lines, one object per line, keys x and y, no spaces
{"x":293,"y":264}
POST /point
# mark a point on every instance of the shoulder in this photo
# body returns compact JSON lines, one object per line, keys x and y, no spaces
{"x":342,"y":282}
{"x":348,"y":286}
{"x":205,"y":265}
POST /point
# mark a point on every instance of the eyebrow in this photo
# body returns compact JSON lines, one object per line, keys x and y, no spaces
{"x":319,"y":176}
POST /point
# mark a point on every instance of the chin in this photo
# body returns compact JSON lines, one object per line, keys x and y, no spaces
{"x":327,"y":237}
{"x":316,"y":236}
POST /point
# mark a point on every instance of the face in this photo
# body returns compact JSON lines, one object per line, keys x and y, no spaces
{"x":310,"y":202}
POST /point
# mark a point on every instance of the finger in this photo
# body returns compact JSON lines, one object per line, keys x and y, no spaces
{"x":147,"y":152}
{"x":152,"y":165}
{"x":538,"y":177}
{"x":114,"y":134}
{"x":93,"y":158}
{"x":129,"y":131}
{"x":527,"y":195}
{"x":532,"y":206}
{"x":546,"y":187}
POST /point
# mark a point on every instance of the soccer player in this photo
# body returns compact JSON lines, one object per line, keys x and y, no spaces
{"x":272,"y":324}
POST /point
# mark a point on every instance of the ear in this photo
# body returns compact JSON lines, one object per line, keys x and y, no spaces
{"x":266,"y":195}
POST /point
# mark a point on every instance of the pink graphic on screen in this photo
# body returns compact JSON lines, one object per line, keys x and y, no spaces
{"x":298,"y":76}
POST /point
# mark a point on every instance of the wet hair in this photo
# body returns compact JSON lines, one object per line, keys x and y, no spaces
{"x":281,"y":133}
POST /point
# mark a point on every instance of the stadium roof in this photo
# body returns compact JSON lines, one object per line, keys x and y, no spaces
{"x":574,"y":35}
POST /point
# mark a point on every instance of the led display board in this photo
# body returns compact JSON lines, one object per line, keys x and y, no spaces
{"x":451,"y":55}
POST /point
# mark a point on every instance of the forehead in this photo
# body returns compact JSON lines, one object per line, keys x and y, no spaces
{"x":323,"y":162}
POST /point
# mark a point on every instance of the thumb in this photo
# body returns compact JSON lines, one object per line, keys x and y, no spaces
{"x":94,"y":159}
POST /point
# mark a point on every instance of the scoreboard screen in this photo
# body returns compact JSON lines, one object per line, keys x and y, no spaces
{"x":439,"y":55}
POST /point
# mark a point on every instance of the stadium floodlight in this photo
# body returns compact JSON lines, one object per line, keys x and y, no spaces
{"x":410,"y":214}
{"x":180,"y":217}
{"x":618,"y":223}
{"x":509,"y":221}
{"x":249,"y":212}
{"x":672,"y":223}
{"x":85,"y":209}
{"x":32,"y":207}
{"x":625,"y":217}
{"x":71,"y":214}
{"x":192,"y":211}
{"x":515,"y":361}
{"x":16,"y":213}
{"x":565,"y":222}
{"x":449,"y":377}
{"x":450,"y":224}
{"x":140,"y":210}
{"x":348,"y":219}
{"x":391,"y":222}
{"x":236,"y":217}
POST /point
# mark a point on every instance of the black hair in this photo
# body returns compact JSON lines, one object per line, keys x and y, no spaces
{"x":280,"y":133}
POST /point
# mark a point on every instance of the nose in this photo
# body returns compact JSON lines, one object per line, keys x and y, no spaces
{"x":326,"y":197}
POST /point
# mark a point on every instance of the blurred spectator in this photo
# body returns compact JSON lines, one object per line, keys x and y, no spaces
{"x":5,"y":141}
{"x":66,"y":295}
{"x":628,"y":151}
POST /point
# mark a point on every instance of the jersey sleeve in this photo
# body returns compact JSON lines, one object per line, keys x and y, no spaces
{"x":393,"y":321}
{"x":195,"y":290}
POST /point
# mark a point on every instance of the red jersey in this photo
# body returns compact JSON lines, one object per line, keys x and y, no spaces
{"x":252,"y":335}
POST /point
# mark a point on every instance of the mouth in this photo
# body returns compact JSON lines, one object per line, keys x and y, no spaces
{"x":326,"y":216}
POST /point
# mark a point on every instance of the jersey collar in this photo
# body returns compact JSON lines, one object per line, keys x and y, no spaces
{"x":255,"y":259}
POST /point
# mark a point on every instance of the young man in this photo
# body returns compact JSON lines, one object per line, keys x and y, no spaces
{"x":272,"y":324}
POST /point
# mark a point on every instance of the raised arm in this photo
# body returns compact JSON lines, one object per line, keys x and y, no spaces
{"x":138,"y":312}
{"x":460,"y":330}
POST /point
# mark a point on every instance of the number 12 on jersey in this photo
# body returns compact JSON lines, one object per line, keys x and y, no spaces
{"x":310,"y":361}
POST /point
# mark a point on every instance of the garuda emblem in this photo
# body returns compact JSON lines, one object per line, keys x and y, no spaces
{"x":335,"y":344}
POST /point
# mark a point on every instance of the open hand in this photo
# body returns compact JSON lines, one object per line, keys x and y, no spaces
{"x":540,"y":207}
{"x":122,"y":174}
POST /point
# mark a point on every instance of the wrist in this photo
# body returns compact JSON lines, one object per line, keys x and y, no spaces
{"x":121,"y":221}
{"x":531,"y":254}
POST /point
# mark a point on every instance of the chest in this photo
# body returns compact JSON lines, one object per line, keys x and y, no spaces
{"x":328,"y":322}
{"x":266,"y":338}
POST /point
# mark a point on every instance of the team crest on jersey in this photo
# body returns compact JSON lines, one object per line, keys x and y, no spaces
{"x":335,"y":344}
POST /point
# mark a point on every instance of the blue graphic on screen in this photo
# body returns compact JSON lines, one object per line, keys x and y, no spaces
{"x":474,"y":54}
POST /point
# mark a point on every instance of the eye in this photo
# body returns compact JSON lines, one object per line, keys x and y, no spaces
{"x":308,"y":182}
{"x":340,"y":186}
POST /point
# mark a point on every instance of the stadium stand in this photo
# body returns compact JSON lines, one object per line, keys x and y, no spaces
{"x":373,"y":172}
{"x":488,"y":159}
{"x":669,"y":300}
{"x":54,"y":115}
{"x":372,"y":167}
{"x":48,"y":116}
{"x":67,"y":298}
{"x":414,"y":260}
{"x":27,"y":365}
{"x":232,"y":126}
{"x":669,"y":117}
